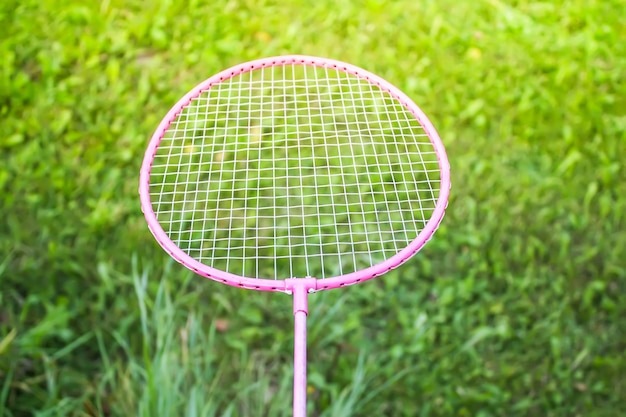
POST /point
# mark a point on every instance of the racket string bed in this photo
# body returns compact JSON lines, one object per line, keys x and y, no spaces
{"x":316,"y":177}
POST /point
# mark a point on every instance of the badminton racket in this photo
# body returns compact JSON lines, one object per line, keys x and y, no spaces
{"x":294,"y":174}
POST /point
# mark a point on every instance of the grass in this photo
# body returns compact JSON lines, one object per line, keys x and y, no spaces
{"x":515,"y":308}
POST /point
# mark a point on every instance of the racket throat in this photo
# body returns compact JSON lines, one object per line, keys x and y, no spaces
{"x":300,"y":289}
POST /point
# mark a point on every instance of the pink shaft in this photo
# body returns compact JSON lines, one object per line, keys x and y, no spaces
{"x":300,"y":288}
{"x":299,"y":363}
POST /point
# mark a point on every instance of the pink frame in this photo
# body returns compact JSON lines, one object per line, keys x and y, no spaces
{"x":288,"y":284}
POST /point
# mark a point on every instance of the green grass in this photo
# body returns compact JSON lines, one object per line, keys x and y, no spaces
{"x":515,"y":308}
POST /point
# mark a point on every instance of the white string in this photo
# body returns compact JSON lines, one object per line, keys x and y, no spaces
{"x":290,"y":218}
{"x":306,"y":255}
{"x":315,"y":182}
{"x":339,"y":169}
{"x":220,"y":159}
{"x":258,"y":189}
{"x":294,"y":171}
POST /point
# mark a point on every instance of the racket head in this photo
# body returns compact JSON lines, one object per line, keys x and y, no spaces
{"x":439,"y":186}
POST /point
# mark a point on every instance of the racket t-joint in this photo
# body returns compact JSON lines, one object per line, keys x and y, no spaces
{"x":300,"y":288}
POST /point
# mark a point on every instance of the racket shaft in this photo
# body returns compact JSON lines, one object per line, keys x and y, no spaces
{"x":299,"y":376}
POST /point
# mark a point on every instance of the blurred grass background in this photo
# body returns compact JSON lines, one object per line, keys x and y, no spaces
{"x":515,"y":308}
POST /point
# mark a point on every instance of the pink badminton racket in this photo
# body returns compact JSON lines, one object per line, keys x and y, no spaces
{"x":294,"y":174}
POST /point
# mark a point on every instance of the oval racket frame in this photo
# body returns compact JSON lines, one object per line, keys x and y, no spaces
{"x":281,"y":285}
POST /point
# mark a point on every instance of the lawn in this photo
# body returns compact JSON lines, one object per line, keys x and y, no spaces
{"x":517,"y":307}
